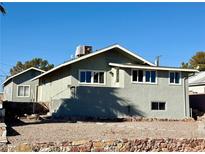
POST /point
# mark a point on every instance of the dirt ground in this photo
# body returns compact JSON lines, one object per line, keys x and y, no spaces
{"x":66,"y":131}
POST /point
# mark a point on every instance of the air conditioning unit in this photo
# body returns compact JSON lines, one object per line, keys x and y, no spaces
{"x":82,"y":50}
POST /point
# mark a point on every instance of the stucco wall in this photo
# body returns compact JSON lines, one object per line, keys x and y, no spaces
{"x":8,"y":92}
{"x":108,"y":101}
{"x":55,"y":86}
{"x":143,"y":94}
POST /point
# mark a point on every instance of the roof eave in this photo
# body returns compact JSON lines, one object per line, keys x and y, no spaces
{"x":153,"y":68}
{"x":22,"y":73}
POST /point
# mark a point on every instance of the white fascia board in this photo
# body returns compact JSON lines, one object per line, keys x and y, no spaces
{"x":197,"y":84}
{"x":152,"y":67}
{"x":93,"y":54}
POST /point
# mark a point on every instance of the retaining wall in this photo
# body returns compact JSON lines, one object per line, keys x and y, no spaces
{"x":122,"y":145}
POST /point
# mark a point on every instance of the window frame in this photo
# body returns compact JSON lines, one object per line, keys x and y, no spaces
{"x":144,"y":76}
{"x":29,"y":91}
{"x":180,"y":74}
{"x":92,"y":77}
{"x":158,"y":102}
{"x":117,"y":75}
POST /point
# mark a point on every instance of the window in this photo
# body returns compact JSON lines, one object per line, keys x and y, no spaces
{"x":134,"y":75}
{"x":140,"y":75}
{"x":158,"y":105}
{"x":144,"y":76}
{"x":92,"y":77}
{"x":174,"y":78}
{"x":150,"y":76}
{"x":85,"y":76}
{"x":23,"y":91}
{"x":98,"y":77}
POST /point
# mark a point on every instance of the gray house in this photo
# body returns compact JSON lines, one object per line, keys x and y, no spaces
{"x":20,"y":88}
{"x":114,"y":82}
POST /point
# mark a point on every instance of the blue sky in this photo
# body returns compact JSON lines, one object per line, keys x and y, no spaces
{"x":53,"y":30}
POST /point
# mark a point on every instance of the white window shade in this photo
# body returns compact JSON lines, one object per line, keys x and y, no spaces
{"x":20,"y":91}
{"x":26,"y":91}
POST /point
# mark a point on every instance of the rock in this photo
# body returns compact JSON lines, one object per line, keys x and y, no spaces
{"x":98,"y":144}
{"x":165,"y":150}
{"x":81,"y":142}
{"x":84,"y":148}
{"x":23,"y":148}
{"x":45,"y":150}
{"x":3,"y":148}
{"x":137,"y":142}
{"x":110,"y":142}
{"x":119,"y":145}
{"x":74,"y":149}
{"x":124,"y":140}
{"x":98,"y":150}
{"x":125,"y":148}
{"x":163,"y":145}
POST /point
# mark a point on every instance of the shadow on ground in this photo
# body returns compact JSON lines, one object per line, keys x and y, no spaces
{"x":87,"y":104}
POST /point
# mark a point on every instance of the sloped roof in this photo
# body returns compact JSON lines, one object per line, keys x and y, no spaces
{"x":197,"y":79}
{"x":31,"y":68}
{"x":96,"y":53}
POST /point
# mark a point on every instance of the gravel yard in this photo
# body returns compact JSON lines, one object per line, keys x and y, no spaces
{"x":58,"y":132}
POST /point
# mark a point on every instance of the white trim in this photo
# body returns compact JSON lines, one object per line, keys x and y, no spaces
{"x":92,"y":75}
{"x":180,"y":78}
{"x":96,"y":53}
{"x":23,"y":86}
{"x":22,"y":73}
{"x":152,"y":67}
{"x":144,"y":77}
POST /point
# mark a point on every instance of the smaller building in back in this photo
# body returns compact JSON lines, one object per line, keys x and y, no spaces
{"x":20,"y":88}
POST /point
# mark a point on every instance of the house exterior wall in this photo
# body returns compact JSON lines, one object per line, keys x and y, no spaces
{"x":141,"y":96}
{"x":55,"y":86}
{"x":109,"y":100}
{"x":8,"y":91}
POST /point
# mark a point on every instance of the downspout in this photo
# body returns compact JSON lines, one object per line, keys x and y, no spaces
{"x":185,"y":97}
{"x":185,"y":91}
